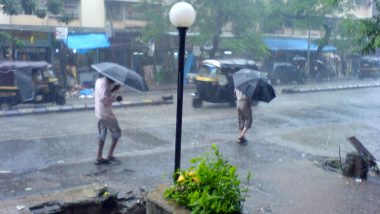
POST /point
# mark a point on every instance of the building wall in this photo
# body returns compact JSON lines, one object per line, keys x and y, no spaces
{"x":4,"y":19}
{"x":124,"y":14}
{"x":363,"y":11}
{"x":93,"y":13}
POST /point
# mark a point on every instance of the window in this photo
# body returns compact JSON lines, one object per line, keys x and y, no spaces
{"x":132,"y":11}
{"x":72,"y":7}
{"x":114,"y":11}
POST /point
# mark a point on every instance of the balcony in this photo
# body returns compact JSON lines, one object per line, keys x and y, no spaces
{"x":128,"y":24}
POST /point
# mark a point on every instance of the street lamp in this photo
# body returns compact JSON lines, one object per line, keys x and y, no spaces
{"x":182,"y":16}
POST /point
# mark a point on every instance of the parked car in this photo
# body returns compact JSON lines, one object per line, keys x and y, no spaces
{"x":369,"y":67}
{"x":284,"y":72}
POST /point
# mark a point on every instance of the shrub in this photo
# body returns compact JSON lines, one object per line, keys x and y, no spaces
{"x":54,"y":6}
{"x":41,"y":13}
{"x":210,"y":185}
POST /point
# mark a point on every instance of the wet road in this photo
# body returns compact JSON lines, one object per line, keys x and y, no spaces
{"x":285,"y":133}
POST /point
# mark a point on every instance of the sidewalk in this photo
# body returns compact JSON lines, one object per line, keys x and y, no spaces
{"x":151,"y":98}
{"x":76,"y":103}
{"x":284,"y":180}
{"x":330,"y":86}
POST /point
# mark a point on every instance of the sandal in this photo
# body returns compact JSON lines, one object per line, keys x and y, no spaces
{"x":242,"y":140}
{"x":101,"y":162}
{"x":113,"y":159}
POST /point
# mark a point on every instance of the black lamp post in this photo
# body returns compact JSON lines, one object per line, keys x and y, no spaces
{"x":182,"y":16}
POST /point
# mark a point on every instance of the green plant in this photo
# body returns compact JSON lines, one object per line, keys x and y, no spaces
{"x":210,"y":185}
{"x":65,"y":18}
{"x":54,"y":6}
{"x":29,"y":6}
{"x":41,"y":13}
{"x":10,"y":7}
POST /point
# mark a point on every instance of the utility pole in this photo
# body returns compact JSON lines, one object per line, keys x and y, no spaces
{"x":61,"y":33}
{"x":62,"y":64}
{"x":308,"y":49}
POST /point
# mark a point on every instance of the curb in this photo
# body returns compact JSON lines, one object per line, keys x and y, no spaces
{"x":70,"y":195}
{"x":77,"y":107}
{"x":327,"y":88}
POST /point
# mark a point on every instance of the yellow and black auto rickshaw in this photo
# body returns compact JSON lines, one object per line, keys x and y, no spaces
{"x":214,"y":81}
{"x":28,"y":82}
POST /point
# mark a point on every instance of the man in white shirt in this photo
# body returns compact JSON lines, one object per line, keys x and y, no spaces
{"x":244,"y":114}
{"x":106,"y":118}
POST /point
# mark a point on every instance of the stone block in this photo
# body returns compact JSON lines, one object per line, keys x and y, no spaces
{"x":157,"y":204}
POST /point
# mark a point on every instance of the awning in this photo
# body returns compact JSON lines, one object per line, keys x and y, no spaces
{"x":85,"y":42}
{"x":293,"y":44}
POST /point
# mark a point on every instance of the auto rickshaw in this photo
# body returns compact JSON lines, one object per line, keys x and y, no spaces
{"x":28,"y":82}
{"x":214,"y":81}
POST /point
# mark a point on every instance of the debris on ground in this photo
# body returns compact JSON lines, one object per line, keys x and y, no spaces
{"x":20,"y":207}
{"x":356,"y":164}
{"x":165,"y":99}
{"x":107,"y":201}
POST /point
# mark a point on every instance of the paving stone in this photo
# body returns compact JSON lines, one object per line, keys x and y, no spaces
{"x":67,"y":108}
{"x":11,"y":112}
{"x":79,"y":107}
{"x":90,"y":106}
{"x":25,"y":111}
{"x":53,"y":108}
{"x":39,"y":110}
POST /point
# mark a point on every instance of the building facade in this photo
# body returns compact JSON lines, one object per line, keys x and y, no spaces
{"x":120,"y":20}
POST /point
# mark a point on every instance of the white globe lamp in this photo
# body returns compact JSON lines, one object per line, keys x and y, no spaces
{"x":182,"y":14}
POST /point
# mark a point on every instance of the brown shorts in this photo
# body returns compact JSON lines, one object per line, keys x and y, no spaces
{"x":244,"y":114}
{"x":108,"y":124}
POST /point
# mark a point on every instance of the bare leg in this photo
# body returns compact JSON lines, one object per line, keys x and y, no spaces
{"x":113,"y":145}
{"x":242,"y":134}
{"x":100,"y":150}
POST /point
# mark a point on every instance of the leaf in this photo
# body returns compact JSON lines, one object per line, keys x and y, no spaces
{"x":218,"y":191}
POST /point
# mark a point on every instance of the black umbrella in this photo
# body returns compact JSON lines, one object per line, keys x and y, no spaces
{"x":251,"y":84}
{"x":121,"y":75}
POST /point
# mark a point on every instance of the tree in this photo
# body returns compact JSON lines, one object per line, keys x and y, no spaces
{"x":367,"y":31}
{"x":241,"y":19}
{"x":214,"y":17}
{"x":8,"y":41}
{"x":370,"y":31}
{"x":308,"y":14}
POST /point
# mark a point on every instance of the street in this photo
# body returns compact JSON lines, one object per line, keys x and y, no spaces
{"x":47,"y":152}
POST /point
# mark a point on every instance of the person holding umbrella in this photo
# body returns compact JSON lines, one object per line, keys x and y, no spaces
{"x":107,"y":121}
{"x":111,"y":73}
{"x":244,"y":111}
{"x":249,"y":85}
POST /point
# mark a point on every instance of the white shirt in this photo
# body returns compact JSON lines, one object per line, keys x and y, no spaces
{"x":103,"y":99}
{"x":240,"y":95}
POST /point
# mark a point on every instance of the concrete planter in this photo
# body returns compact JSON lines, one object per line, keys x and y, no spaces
{"x":157,"y":204}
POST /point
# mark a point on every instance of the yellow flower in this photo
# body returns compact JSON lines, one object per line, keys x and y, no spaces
{"x":191,"y":173}
{"x":180,"y":178}
{"x":196,"y":179}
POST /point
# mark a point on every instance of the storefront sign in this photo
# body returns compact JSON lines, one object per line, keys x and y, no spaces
{"x":61,"y":33}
